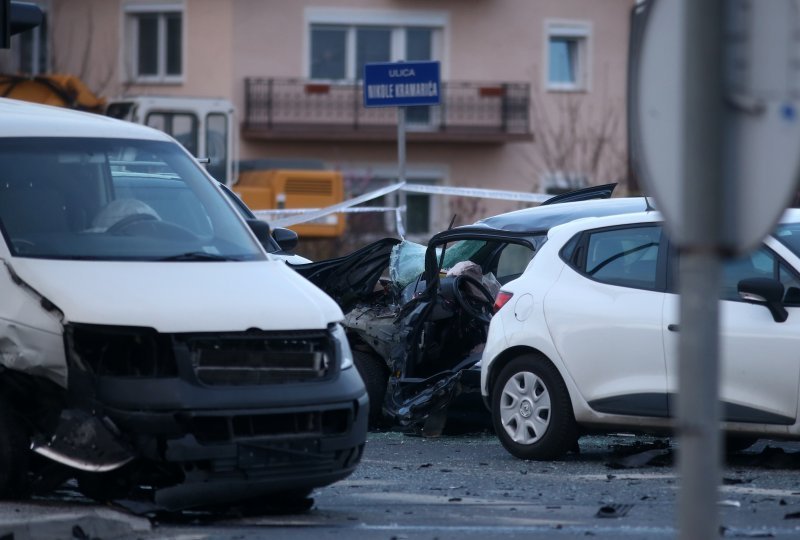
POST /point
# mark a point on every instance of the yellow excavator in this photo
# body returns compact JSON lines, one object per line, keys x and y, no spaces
{"x":58,"y":90}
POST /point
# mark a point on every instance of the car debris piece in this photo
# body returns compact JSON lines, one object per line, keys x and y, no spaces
{"x":613,"y":510}
{"x":642,"y":459}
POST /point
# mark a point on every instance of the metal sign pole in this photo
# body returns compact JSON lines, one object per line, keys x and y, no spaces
{"x":401,"y":170}
{"x":703,"y":153}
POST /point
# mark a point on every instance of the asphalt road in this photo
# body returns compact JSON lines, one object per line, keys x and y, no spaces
{"x":468,"y":487}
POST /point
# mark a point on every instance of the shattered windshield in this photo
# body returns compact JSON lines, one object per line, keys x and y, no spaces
{"x":114,"y":199}
{"x":407,"y":260}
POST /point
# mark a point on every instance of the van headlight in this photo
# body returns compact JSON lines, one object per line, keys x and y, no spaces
{"x":342,"y":346}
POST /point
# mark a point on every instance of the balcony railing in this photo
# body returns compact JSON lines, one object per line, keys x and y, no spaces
{"x":295,"y":109}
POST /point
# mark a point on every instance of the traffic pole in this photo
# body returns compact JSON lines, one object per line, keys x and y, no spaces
{"x":703,"y":149}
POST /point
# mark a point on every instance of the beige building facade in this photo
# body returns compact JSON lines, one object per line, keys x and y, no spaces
{"x":533,"y":90}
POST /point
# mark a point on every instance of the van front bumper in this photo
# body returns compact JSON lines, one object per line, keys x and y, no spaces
{"x":208,"y":428}
{"x":222,"y":456}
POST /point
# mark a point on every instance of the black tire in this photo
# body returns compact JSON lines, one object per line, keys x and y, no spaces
{"x":529,"y":392}
{"x":375,"y":374}
{"x":13,"y":456}
{"x":738,"y":443}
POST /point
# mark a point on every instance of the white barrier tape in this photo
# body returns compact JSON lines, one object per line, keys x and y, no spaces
{"x":264,"y":214}
{"x":322,"y":212}
{"x":478,"y":192}
{"x":296,"y":216}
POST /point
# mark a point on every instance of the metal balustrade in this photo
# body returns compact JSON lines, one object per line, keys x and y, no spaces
{"x":297,"y":109}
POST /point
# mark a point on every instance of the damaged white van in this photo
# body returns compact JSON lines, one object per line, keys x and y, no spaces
{"x":149,"y":346}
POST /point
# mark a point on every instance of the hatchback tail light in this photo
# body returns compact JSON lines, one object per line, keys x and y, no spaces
{"x":501,"y":299}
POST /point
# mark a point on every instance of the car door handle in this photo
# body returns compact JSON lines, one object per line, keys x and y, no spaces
{"x":674,"y":327}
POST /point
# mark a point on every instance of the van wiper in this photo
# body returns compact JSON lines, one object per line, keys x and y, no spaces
{"x":198,"y":256}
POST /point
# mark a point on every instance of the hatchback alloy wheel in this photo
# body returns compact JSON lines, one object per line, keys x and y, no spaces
{"x":525,"y":408}
{"x":531,"y":410}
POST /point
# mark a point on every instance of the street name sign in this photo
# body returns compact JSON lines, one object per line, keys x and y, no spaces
{"x":399,"y":84}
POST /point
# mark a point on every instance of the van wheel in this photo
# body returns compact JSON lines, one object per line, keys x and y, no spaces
{"x":531,"y":410}
{"x":13,"y":456}
{"x":375,"y":375}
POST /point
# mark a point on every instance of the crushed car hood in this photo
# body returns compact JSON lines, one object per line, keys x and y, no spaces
{"x":353,"y":277}
{"x":180,"y":296}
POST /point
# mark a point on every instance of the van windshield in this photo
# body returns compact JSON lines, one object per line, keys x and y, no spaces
{"x":114,"y":199}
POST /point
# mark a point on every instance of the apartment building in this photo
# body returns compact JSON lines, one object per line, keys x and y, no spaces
{"x":533,"y":91}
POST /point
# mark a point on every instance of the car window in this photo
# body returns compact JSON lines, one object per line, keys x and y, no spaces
{"x":513,"y":261}
{"x":114,"y":199}
{"x":270,"y":244}
{"x":626,"y":257}
{"x":762,"y":263}
{"x":461,"y":250}
{"x":788,"y":234}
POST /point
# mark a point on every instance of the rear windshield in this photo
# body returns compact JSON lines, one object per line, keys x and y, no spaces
{"x":114,"y":199}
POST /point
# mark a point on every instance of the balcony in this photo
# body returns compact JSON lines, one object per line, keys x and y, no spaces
{"x":302,"y":110}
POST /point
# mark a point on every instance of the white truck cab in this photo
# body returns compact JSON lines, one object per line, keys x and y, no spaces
{"x":206,"y":127}
{"x":146,"y":336}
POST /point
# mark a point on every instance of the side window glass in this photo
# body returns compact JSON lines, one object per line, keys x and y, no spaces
{"x":758,"y":264}
{"x":513,"y":261}
{"x":217,"y":146}
{"x":626,"y":257}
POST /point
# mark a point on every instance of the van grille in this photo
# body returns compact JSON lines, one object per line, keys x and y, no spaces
{"x":258,"y":359}
{"x":211,"y":429}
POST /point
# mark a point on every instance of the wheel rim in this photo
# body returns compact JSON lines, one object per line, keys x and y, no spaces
{"x":525,"y":408}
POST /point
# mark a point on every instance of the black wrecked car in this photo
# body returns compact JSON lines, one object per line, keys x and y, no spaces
{"x":417,"y":316}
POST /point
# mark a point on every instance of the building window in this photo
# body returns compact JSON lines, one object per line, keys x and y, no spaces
{"x":418,"y":213}
{"x":567,"y":60}
{"x":342,"y":40}
{"x":422,"y":214}
{"x":156,"y":44}
{"x":339,"y":52}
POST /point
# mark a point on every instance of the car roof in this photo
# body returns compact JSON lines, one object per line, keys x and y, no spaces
{"x":543,"y":218}
{"x":24,"y":119}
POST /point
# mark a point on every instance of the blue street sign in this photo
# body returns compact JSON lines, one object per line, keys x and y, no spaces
{"x":399,"y":84}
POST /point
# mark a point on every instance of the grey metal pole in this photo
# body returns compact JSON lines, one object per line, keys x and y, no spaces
{"x":699,"y":453}
{"x":401,"y":170}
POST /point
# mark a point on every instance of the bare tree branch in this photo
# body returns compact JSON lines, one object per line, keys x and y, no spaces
{"x":575,"y":144}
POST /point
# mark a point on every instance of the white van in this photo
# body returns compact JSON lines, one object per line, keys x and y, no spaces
{"x":148,"y":343}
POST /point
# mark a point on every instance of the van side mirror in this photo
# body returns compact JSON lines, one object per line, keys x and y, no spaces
{"x":260,"y":229}
{"x":766,"y":292}
{"x":286,"y":238}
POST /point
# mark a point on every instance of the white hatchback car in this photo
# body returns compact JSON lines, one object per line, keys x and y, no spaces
{"x":586,"y":339}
